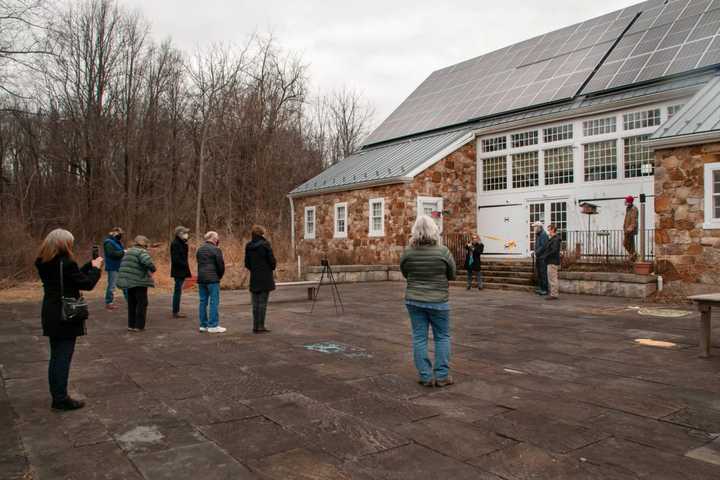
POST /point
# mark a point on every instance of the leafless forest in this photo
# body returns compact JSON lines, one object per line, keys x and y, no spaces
{"x":102,"y":125}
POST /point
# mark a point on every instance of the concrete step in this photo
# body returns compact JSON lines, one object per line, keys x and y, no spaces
{"x":497,"y":286}
{"x":505,"y":273}
{"x":508,"y":280}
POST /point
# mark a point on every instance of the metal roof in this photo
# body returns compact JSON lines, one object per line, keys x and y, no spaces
{"x":697,"y":122}
{"x":389,"y":163}
{"x":396,"y":162}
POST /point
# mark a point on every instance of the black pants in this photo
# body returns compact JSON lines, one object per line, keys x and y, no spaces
{"x":542,"y":274}
{"x":61,"y":353}
{"x":259,"y":306}
{"x":137,"y":307}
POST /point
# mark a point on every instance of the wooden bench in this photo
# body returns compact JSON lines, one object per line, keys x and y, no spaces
{"x":704,"y":304}
{"x":312,"y":286}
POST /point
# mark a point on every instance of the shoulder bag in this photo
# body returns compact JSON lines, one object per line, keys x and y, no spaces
{"x":74,"y":310}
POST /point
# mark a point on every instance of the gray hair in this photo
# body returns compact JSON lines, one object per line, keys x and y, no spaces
{"x":211,"y":236}
{"x":425,"y":232}
{"x":141,"y":241}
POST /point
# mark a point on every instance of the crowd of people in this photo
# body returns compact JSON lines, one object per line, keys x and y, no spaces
{"x":132,"y":270}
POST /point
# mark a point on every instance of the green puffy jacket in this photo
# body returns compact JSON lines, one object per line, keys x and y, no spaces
{"x":135,"y":269}
{"x":427,"y":270}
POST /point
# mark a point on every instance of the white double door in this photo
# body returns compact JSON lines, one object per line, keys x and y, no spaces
{"x":546,"y":211}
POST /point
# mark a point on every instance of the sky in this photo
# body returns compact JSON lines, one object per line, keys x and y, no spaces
{"x":382,"y":48}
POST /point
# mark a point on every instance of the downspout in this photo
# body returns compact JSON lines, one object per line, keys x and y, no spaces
{"x":292,"y":225}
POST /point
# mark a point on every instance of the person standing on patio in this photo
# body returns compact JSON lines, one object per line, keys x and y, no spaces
{"x":259,"y":259}
{"x":541,"y":240}
{"x":630,"y":227}
{"x":114,"y":252}
{"x":473,"y":251}
{"x":428,"y":266}
{"x":211,"y":268}
{"x":550,"y":255}
{"x":135,"y":276}
{"x":179,"y":266}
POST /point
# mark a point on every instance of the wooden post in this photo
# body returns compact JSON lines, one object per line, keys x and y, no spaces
{"x":705,"y":330}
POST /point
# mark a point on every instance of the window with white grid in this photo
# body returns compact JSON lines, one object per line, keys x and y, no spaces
{"x":309,"y":223}
{"x":644,"y":119}
{"x":639,"y":159}
{"x":600,"y":161}
{"x":341,"y":216}
{"x":558,"y":217}
{"x":673,"y":109}
{"x":494,"y":173}
{"x":712,"y":196}
{"x":494,"y":144}
{"x":525,"y":170}
{"x":537,"y":214}
{"x":599,"y":126}
{"x":556,"y":134}
{"x":524,"y":139}
{"x":559,"y":165}
{"x":377,"y":217}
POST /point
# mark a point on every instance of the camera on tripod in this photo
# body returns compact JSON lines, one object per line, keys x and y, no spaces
{"x":324,"y":262}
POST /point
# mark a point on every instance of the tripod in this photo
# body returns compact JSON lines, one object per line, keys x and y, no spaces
{"x":327,"y":271}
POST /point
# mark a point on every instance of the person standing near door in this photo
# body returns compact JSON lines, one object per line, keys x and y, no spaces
{"x":541,"y":240}
{"x":473,"y":251}
{"x":550,"y":255}
{"x":630,"y":227}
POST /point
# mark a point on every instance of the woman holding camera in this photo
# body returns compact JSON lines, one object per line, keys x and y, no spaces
{"x":56,"y":265}
{"x":473,"y":250}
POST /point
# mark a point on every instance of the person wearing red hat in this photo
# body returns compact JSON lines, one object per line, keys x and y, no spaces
{"x":630,"y":227}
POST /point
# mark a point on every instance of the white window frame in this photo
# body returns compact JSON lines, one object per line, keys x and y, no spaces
{"x":309,"y":235}
{"x":372,"y":232}
{"x":710,"y":221}
{"x":338,"y":234}
{"x":438,"y":200}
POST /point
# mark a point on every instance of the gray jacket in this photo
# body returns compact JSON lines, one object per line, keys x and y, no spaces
{"x":427,"y":270}
{"x":211,"y":265}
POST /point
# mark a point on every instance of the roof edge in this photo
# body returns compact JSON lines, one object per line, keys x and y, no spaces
{"x":684,"y":140}
{"x":354,"y":186}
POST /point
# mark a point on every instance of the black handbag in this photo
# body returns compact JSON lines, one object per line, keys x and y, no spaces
{"x":74,"y":310}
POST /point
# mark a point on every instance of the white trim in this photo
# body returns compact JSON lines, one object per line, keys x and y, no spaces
{"x":309,"y":235}
{"x":337,"y":234}
{"x":441,"y":154}
{"x":684,"y":140}
{"x":371,"y":232}
{"x":710,"y":221}
{"x":438,"y":200}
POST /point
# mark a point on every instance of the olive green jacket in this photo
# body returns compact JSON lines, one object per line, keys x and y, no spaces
{"x":135,"y":269}
{"x":427,"y":270}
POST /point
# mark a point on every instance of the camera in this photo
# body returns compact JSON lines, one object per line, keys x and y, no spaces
{"x":324,"y":262}
{"x":95,"y":252}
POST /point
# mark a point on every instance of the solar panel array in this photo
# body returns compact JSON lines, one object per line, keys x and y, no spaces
{"x":667,"y":37}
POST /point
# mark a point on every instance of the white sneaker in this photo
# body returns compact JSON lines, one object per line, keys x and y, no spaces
{"x":203,"y":329}
{"x":217,"y":330}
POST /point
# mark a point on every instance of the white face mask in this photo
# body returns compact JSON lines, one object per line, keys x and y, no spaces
{"x":184,"y":236}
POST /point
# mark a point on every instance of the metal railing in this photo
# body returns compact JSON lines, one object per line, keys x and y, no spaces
{"x":455,"y":242}
{"x":605,"y":246}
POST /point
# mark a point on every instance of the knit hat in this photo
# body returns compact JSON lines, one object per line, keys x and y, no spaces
{"x":629,"y":199}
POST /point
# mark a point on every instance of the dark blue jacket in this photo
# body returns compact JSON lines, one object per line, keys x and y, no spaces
{"x":540,"y":241}
{"x":114,"y":252}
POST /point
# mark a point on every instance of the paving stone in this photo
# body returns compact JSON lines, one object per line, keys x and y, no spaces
{"x":213,"y":408}
{"x":701,"y":419}
{"x":289,"y":409}
{"x":413,"y":462}
{"x":383,"y":410}
{"x":300,"y":464}
{"x":391,"y":384}
{"x":709,"y":453}
{"x":201,"y":461}
{"x":252,"y":438}
{"x":104,"y":461}
{"x":451,"y":404}
{"x":630,"y":401}
{"x":141,"y":437}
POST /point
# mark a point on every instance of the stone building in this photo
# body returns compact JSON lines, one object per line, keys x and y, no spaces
{"x":525,"y":133}
{"x":687,"y":195}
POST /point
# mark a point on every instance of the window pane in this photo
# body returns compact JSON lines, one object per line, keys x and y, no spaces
{"x":559,"y":166}
{"x":494,"y":144}
{"x":673,"y":109}
{"x":524,"y":139}
{"x":599,"y":126}
{"x":558,"y":217}
{"x":637,"y":155}
{"x":716,"y":182}
{"x":537,"y":214}
{"x":600,"y":161}
{"x":494,"y":173}
{"x":717,"y":207}
{"x":525,"y":170}
{"x":555,"y":134}
{"x":648,"y":118}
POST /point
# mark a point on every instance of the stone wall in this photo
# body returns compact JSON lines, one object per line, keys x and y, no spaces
{"x":687,"y":255}
{"x":453,"y":178}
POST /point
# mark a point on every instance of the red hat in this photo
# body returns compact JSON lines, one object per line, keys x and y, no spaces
{"x":629,"y":199}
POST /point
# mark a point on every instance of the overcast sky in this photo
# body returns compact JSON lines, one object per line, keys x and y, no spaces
{"x":384,"y":48}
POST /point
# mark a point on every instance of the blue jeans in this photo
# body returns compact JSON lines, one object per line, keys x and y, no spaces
{"x":541,"y":269}
{"x":439,"y":320}
{"x":111,"y":286}
{"x":209,"y":293}
{"x":470,"y":277}
{"x":177,"y":294}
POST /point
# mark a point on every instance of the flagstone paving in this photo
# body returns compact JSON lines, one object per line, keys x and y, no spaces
{"x":545,"y":390}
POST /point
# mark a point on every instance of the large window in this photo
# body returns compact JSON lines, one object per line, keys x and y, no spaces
{"x":309,"y":223}
{"x":494,"y":144}
{"x":494,"y":173}
{"x":341,"y":220}
{"x":524,"y":139}
{"x":377,"y":217}
{"x":599,"y":126}
{"x":525,"y":170}
{"x":556,"y":134}
{"x":673,"y":109}
{"x":639,"y":159}
{"x":712,"y":196}
{"x":559,"y":165}
{"x":600,"y":161}
{"x":644,"y":119}
{"x":537,"y":214}
{"x":433,"y":208}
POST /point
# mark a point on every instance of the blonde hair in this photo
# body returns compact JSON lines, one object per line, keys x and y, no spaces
{"x":258,"y":230}
{"x":425,"y":232}
{"x":57,"y":242}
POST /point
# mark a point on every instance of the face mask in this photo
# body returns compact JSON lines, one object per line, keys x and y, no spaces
{"x":118,"y":236}
{"x":184,"y":236}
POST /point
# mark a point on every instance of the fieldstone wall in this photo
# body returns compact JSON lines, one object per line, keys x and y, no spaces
{"x":453,"y":178}
{"x":687,"y":255}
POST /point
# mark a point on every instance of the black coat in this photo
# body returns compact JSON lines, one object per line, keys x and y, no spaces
{"x":74,"y":280}
{"x":475,"y":250}
{"x":211,"y":264}
{"x":179,"y":265}
{"x":550,"y":252}
{"x":259,"y":259}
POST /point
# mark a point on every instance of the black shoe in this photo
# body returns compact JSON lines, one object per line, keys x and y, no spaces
{"x":469,"y":287}
{"x":68,"y":404}
{"x":179,"y":315}
{"x":542,"y":293}
{"x":261,"y":330}
{"x":480,"y":287}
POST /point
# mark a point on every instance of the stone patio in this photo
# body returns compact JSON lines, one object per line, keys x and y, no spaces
{"x":545,"y":390}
